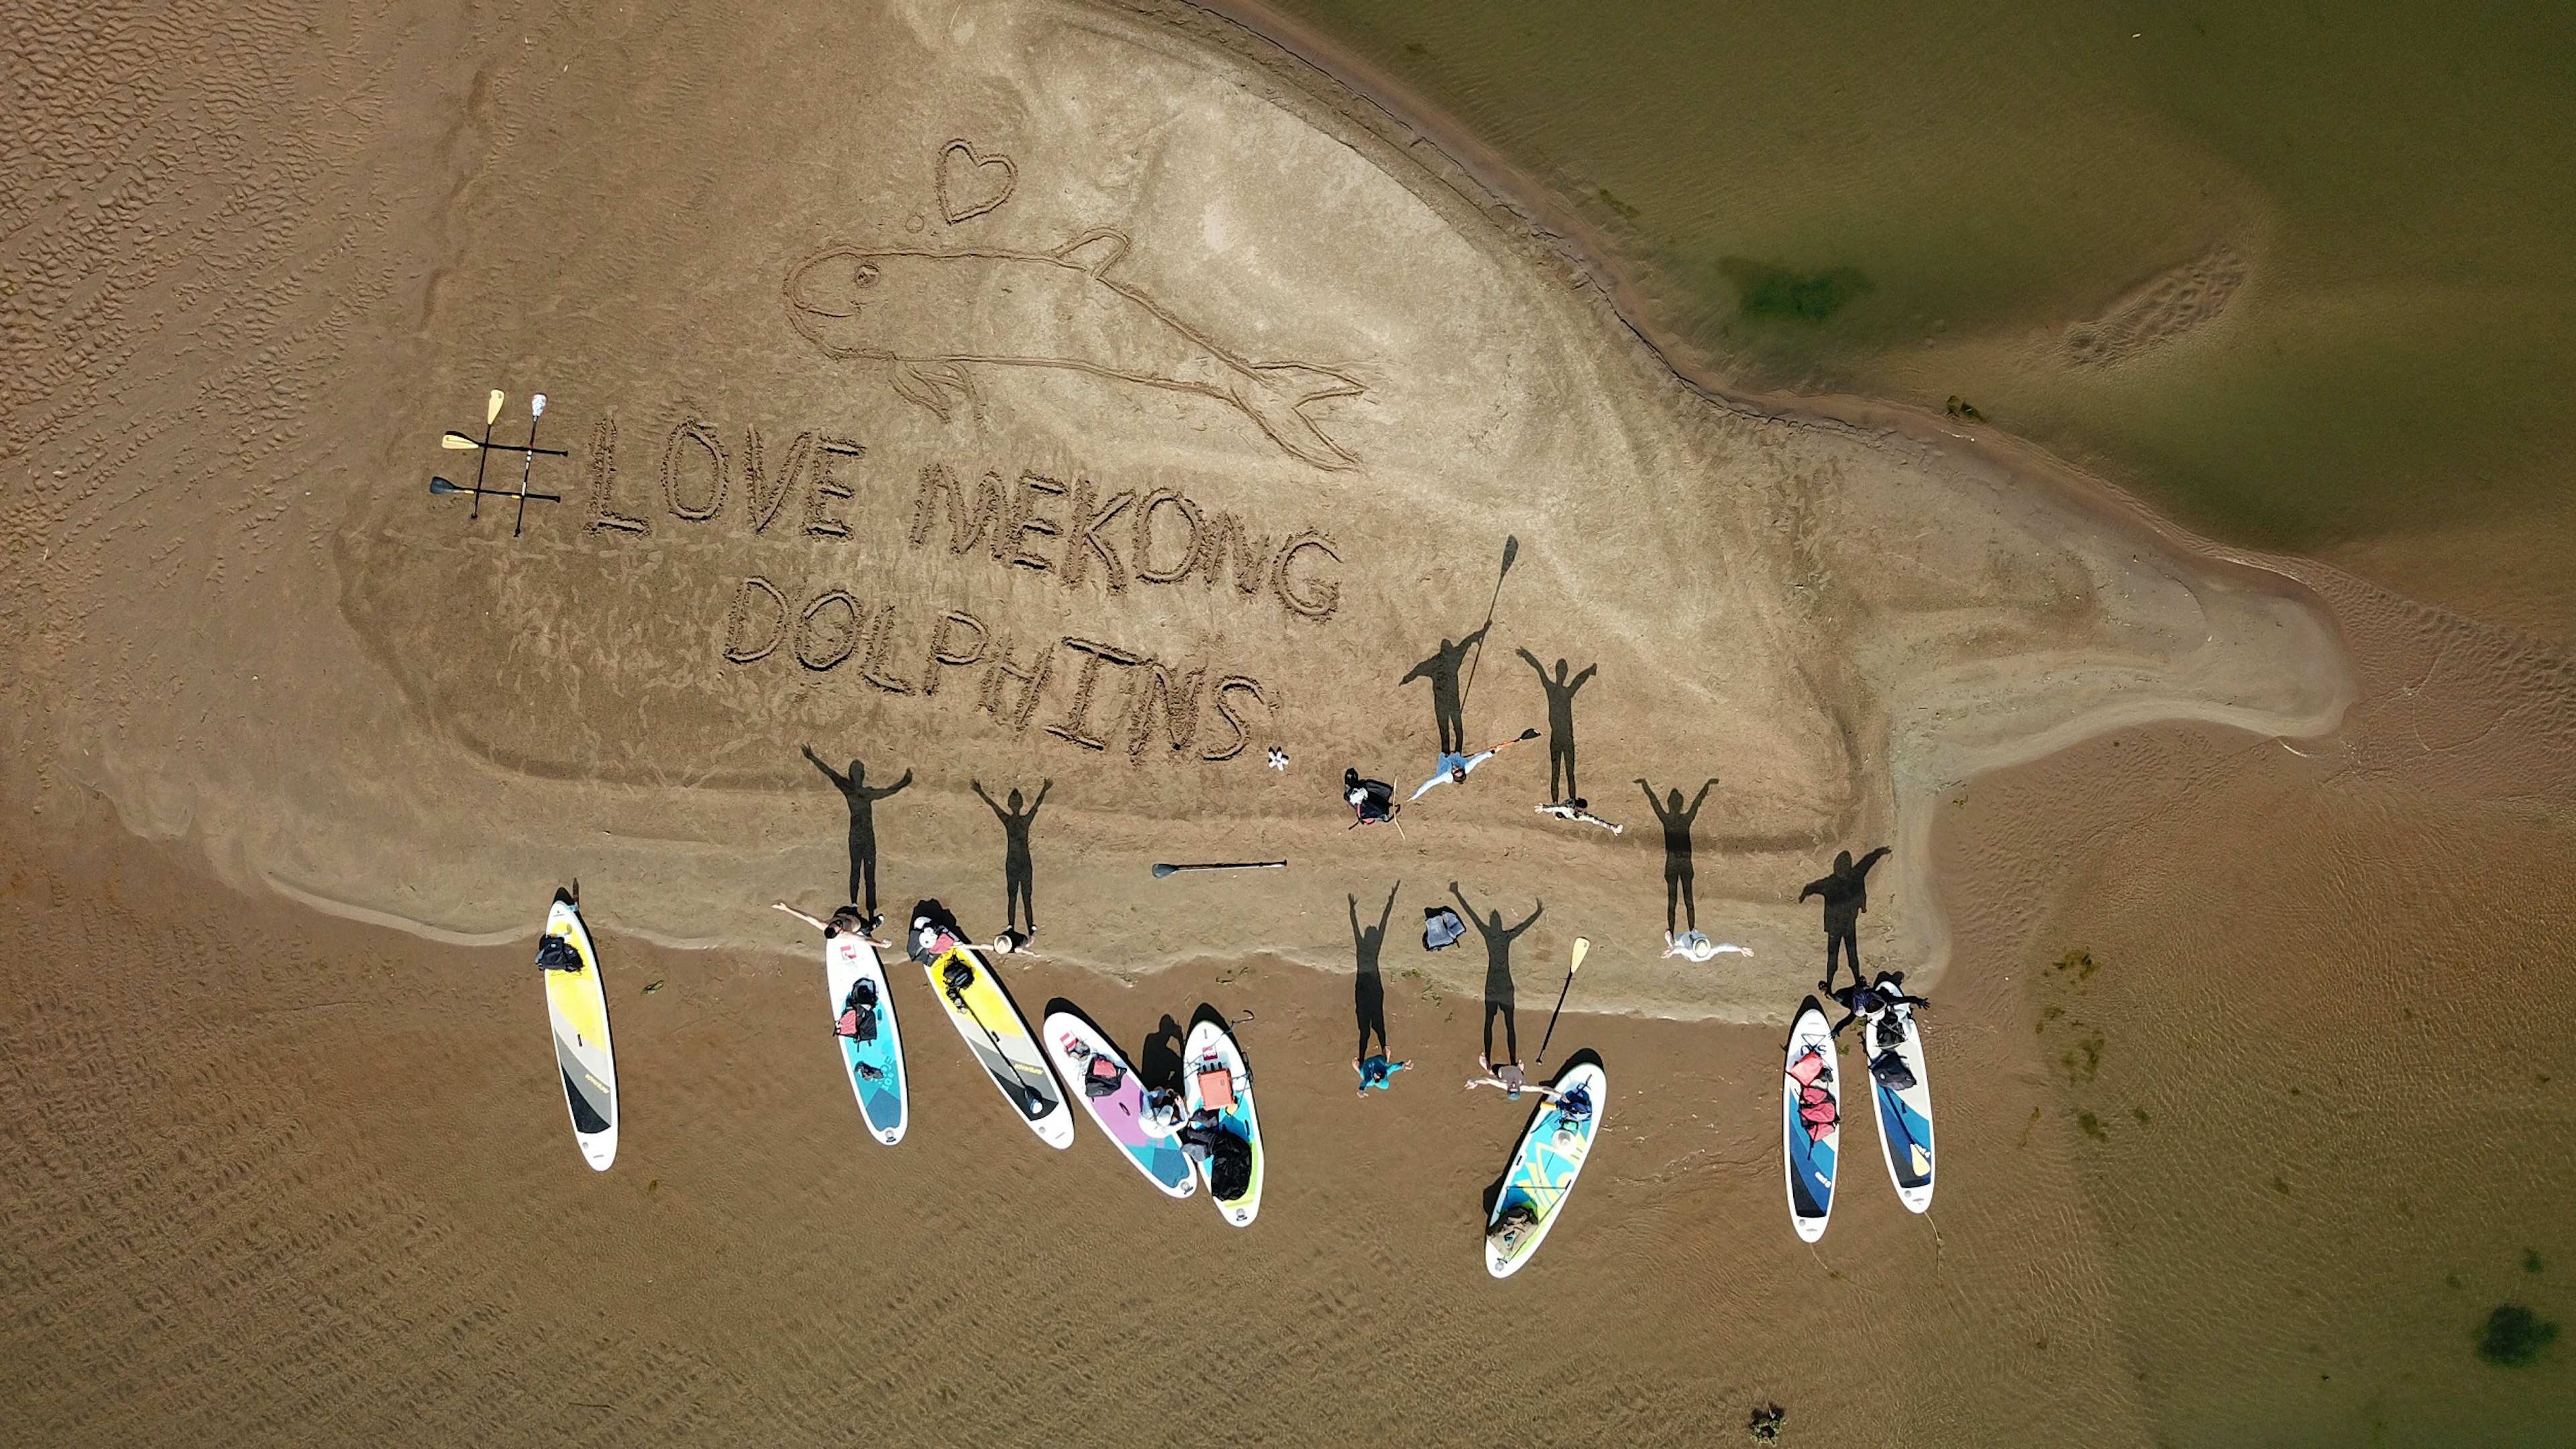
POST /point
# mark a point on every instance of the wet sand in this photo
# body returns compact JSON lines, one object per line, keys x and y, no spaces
{"x":303,"y":1175}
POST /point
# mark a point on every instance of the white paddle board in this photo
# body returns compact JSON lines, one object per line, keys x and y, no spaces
{"x":1083,"y":1056}
{"x":872,"y":1060}
{"x":1551,"y":1153}
{"x":1211,"y":1048}
{"x":1811,"y":1114}
{"x":999,"y":1037}
{"x":1904,"y":1114}
{"x":577,"y":1009}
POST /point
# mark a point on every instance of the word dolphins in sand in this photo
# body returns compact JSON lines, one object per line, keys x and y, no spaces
{"x":930,"y":315}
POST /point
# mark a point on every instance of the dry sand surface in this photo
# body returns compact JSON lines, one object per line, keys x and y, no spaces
{"x":1018,"y":393}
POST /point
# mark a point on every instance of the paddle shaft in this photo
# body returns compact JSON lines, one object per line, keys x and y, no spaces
{"x":1028,"y":1093}
{"x":1560,"y":1002}
{"x":1226,"y":865}
{"x":527,"y":462}
{"x":1511,"y":551}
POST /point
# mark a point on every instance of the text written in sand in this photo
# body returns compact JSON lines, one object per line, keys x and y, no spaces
{"x":1101,"y":539}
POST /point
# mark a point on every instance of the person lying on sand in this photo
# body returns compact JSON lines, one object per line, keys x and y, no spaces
{"x":847,"y":921}
{"x":1697,"y":947}
{"x":1578,"y":809}
{"x":1453,"y":769}
{"x":1509,"y":1077}
{"x":1377,"y":1070}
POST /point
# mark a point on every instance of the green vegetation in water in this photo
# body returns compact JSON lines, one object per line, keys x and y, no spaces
{"x":2531,"y":1260}
{"x":2513,"y":1336}
{"x":1770,"y":292}
{"x":2141,"y":1114}
{"x":2243,"y":285}
{"x":2092,"y":1127}
{"x":1766,"y":1422}
{"x":2084,"y":1062}
{"x":1966,"y":412}
{"x":2079,"y":961}
{"x":1626,"y":212}
{"x":2281,"y":1186}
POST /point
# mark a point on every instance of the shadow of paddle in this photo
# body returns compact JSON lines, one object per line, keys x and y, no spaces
{"x":1494,"y":1190}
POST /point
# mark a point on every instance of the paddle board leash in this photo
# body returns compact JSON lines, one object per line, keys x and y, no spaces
{"x":1582,"y":947}
{"x":1511,"y":551}
{"x":1162,"y":870}
{"x":1029,"y":1101}
{"x":528,"y":460}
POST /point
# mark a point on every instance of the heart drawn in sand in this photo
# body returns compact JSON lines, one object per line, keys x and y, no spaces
{"x":971,"y":183}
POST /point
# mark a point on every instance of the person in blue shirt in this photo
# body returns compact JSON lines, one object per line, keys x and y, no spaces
{"x":1378,"y":1071}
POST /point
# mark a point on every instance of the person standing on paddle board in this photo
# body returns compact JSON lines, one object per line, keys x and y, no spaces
{"x":1846,"y":894}
{"x":1019,"y":869}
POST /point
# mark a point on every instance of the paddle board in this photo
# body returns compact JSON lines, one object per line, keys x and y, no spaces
{"x":1811,"y":1124}
{"x":1074,"y":1044}
{"x":874,"y":1067}
{"x":999,"y":1037}
{"x":577,"y":1008}
{"x":1551,"y":1153}
{"x":1211,"y":1047}
{"x":1904,"y":1115}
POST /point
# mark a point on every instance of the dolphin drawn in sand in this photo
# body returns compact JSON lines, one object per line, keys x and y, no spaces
{"x":931,"y":315}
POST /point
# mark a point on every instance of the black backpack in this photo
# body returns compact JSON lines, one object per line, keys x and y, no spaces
{"x":1101,"y":1076}
{"x":1229,"y":1167}
{"x":859,"y":1011}
{"x":1891,"y":1071}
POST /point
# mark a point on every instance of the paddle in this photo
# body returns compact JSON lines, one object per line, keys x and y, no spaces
{"x":442,"y":486}
{"x":1582,"y":945}
{"x":458,"y":442}
{"x":1161,"y":870}
{"x":1511,"y":551}
{"x":536,"y":414}
{"x":1032,"y":1106}
{"x":491,"y":415}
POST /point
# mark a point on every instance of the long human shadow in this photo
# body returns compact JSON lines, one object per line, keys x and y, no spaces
{"x":1368,"y":990}
{"x":1448,"y":701}
{"x":862,"y":799}
{"x":1560,"y":722}
{"x":1019,"y":868}
{"x":1499,"y":996}
{"x":1494,"y":1189}
{"x":1677,"y":852}
{"x":1158,"y":1056}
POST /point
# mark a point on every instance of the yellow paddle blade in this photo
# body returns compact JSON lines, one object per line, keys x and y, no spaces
{"x":1922,"y":1161}
{"x":458,"y":441}
{"x":492,"y":407}
{"x":1582,"y":947}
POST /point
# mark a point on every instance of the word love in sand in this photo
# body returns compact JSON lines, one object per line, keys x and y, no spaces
{"x":1088,"y":535}
{"x":912,"y":656}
